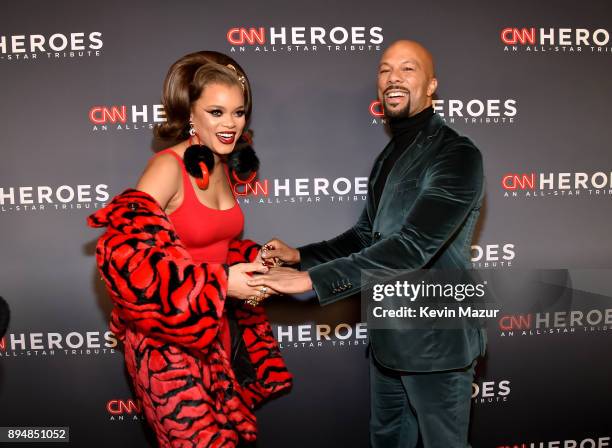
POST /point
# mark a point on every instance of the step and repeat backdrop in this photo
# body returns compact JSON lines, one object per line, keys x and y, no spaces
{"x":528,"y":82}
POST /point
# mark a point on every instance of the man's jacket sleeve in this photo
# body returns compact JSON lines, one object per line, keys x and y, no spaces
{"x":450,"y":189}
{"x":353,"y":240}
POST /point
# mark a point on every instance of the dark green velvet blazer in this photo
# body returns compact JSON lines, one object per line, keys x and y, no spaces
{"x":425,"y":219}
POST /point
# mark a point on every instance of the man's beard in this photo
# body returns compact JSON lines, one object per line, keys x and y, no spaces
{"x":404,"y":112}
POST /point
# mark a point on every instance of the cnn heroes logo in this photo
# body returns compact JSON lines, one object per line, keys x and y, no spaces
{"x":312,"y":336}
{"x":50,"y":344}
{"x":124,"y":117}
{"x":492,"y":255}
{"x":306,"y":191}
{"x":45,"y":197}
{"x":556,"y":40}
{"x":467,"y":111}
{"x":22,"y":47}
{"x":301,"y":39}
{"x":557,"y":322}
{"x":489,"y":392}
{"x":120,"y":410}
{"x":590,"y":442}
{"x":543,"y":185}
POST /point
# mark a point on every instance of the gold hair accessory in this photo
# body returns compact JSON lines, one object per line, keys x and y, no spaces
{"x":241,"y":78}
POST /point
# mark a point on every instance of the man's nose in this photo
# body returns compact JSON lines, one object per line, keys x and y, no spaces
{"x":395,"y":76}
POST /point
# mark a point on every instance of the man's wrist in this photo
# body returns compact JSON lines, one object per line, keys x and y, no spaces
{"x":307,"y":279}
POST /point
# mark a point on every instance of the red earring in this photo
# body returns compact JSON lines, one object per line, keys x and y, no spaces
{"x":202,"y":182}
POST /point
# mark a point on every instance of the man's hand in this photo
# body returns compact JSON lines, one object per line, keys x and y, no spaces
{"x":283,"y":280}
{"x":276,"y":250}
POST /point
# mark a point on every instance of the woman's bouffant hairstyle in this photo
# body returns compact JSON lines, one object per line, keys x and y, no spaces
{"x":184,"y":83}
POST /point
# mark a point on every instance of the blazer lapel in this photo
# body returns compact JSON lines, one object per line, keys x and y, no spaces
{"x":409,"y":156}
{"x":371,"y":204}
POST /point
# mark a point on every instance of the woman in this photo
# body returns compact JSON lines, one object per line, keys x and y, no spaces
{"x":198,"y":347}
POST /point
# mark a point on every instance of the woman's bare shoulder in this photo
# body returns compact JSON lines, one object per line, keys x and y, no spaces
{"x":161,"y":177}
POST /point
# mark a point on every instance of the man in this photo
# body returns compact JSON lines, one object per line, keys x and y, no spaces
{"x":424,"y":196}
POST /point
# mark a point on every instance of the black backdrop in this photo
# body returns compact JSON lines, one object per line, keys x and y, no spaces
{"x":80,"y":93}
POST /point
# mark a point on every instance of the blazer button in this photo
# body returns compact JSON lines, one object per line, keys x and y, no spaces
{"x":376,"y":236}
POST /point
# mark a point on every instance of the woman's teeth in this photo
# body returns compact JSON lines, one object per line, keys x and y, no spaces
{"x":226,"y":137}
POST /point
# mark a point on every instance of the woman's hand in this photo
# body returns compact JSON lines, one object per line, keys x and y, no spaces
{"x":259,"y":259}
{"x":237,"y":282}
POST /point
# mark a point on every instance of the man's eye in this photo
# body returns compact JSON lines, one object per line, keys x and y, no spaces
{"x":384,"y":70}
{"x":407,"y":69}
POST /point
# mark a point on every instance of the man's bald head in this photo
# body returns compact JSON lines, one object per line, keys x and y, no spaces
{"x":406,"y":78}
{"x":416,"y":50}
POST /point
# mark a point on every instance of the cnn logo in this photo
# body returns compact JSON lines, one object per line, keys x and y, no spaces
{"x":512,"y":36}
{"x":251,"y":36}
{"x":515,"y":322}
{"x":120,"y":407}
{"x":515,"y":181}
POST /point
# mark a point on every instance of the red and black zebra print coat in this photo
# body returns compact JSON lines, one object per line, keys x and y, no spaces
{"x":167,"y":311}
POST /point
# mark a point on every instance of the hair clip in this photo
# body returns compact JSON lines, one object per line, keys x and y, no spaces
{"x":240,"y":77}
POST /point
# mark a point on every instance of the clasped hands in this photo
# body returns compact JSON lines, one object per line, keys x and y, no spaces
{"x":269,"y":277}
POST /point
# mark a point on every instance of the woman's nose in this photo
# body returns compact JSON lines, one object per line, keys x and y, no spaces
{"x":229,"y":122}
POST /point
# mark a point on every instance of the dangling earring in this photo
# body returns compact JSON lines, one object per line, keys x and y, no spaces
{"x":199,"y":160}
{"x":202,"y":182}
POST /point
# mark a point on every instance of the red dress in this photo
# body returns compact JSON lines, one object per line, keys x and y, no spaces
{"x":206,"y":232}
{"x":170,"y":309}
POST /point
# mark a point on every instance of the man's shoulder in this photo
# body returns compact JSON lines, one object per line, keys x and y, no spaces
{"x":451,"y":141}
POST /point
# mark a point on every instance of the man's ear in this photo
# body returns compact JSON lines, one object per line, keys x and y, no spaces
{"x":431,"y":88}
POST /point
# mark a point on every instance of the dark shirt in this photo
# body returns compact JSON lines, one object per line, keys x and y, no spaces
{"x":404,"y":130}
